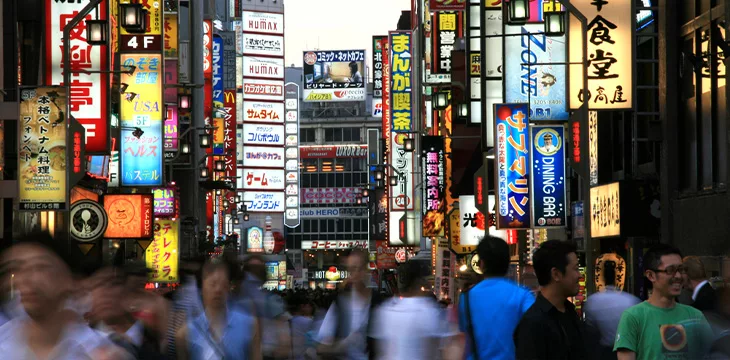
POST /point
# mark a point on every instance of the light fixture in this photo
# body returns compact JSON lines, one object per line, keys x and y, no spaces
{"x":236,"y":221}
{"x":185,"y":148}
{"x":123,"y":88}
{"x":490,"y":153}
{"x":204,"y":173}
{"x":365,"y":192}
{"x":220,"y":165}
{"x":226,"y":203}
{"x":245,"y":217}
{"x":464,"y":110}
{"x":137,"y":132}
{"x":237,"y":199}
{"x":97,"y":31}
{"x":129,"y":96}
{"x":204,"y":140}
{"x":393,"y":180}
{"x":519,"y":12}
{"x":183,"y":101}
{"x":554,"y":18}
{"x":133,"y":18}
{"x":380,"y":184}
{"x":378,"y":174}
{"x":218,"y":192}
{"x":359,"y":201}
{"x":408,"y":144}
{"x":442,"y":100}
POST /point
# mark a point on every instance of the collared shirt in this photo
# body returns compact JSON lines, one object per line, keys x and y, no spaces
{"x":358,"y":307}
{"x":698,"y":288}
{"x":235,"y":342}
{"x":546,"y":333}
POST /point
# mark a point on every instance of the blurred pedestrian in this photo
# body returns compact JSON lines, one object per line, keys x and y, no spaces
{"x":696,"y":280}
{"x":302,"y":311}
{"x":602,"y":313}
{"x":186,"y":302}
{"x":551,"y":328}
{"x":490,"y":311}
{"x":719,"y":319}
{"x":661,"y":328}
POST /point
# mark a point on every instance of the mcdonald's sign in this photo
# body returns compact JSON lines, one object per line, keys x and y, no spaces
{"x":229,"y":132}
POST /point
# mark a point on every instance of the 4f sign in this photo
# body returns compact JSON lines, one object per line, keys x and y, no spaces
{"x":140,"y":43}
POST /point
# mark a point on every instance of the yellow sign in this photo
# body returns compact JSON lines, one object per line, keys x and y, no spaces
{"x":610,"y":42}
{"x":154,"y":16}
{"x":605,"y":215}
{"x":42,"y":149}
{"x":162,"y":255}
{"x":171,"y":36}
{"x":313,"y":96}
{"x":455,"y":234}
{"x":475,"y":65}
{"x":142,"y":100}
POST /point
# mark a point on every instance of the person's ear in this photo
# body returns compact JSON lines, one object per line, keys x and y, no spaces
{"x":556,"y":275}
{"x":650,"y":275}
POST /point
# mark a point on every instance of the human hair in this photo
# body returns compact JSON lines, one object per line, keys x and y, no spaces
{"x":609,"y":273}
{"x":353,"y":66}
{"x":70,"y":256}
{"x":213,"y":266}
{"x":653,"y":256}
{"x":494,"y":254}
{"x":695,"y":268}
{"x":410,"y":276}
{"x":551,"y":254}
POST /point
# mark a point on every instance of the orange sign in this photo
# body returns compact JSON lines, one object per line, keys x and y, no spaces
{"x":130,"y":216}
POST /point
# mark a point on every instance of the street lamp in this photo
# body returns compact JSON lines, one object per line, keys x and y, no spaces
{"x":442,"y":100}
{"x":97,"y":31}
{"x":554,"y":19}
{"x":408,"y":144}
{"x":185,"y":148}
{"x":204,"y":140}
{"x":463,"y":111}
{"x":393,"y":180}
{"x":245,"y":217}
{"x":378,"y":174}
{"x":183,"y":101}
{"x":519,"y":11}
{"x":204,"y":172}
{"x":220,"y":165}
{"x":236,"y":221}
{"x":226,"y":204}
{"x":365,"y":192}
{"x":134,"y":18}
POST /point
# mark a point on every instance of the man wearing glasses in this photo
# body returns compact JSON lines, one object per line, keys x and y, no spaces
{"x":661,"y":328}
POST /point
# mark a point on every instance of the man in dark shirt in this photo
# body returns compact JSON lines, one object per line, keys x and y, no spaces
{"x":550,"y":329}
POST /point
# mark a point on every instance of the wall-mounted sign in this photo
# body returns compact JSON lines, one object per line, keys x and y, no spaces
{"x":163,"y":254}
{"x":473,"y":223}
{"x":334,"y":75}
{"x":260,"y":134}
{"x":333,"y":151}
{"x":207,"y":48}
{"x":263,"y":179}
{"x":130,"y":216}
{"x":262,"y":22}
{"x":379,"y":216}
{"x":217,"y":74}
{"x":447,"y":28}
{"x":548,"y":176}
{"x":377,"y":74}
{"x":331,"y":274}
{"x":230,"y":141}
{"x":401,"y":103}
{"x":454,"y":230}
{"x":265,"y":112}
{"x":171,"y":36}
{"x":593,"y":146}
{"x":164,"y":202}
{"x":578,"y":220}
{"x":333,"y":245}
{"x":441,"y":5}
{"x":291,"y":216}
{"x":88,"y":220}
{"x":263,"y":157}
{"x":402,"y":194}
{"x":267,"y":45}
{"x":326,"y":212}
{"x":610,"y":41}
{"x":255,"y":240}
{"x":258,"y":89}
{"x":263,"y":67}
{"x":605,"y":211}
{"x":230,"y":60}
{"x":264,"y":201}
{"x":329,"y":195}
{"x":512,"y":166}
{"x":170,"y":130}
{"x":433,"y":184}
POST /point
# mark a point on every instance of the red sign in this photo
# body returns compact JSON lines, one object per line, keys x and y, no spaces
{"x":77,"y":169}
{"x":207,"y":49}
{"x":229,"y":132}
{"x":445,"y":5}
{"x":333,"y":151}
{"x":385,"y":257}
{"x":386,"y":94}
{"x":329,"y":195}
{"x":575,"y":137}
{"x":209,"y":216}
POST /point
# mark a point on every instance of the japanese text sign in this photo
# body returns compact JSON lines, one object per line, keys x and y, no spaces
{"x":259,"y":134}
{"x":605,"y":210}
{"x":264,"y":201}
{"x":207,"y":49}
{"x":333,"y":245}
{"x":266,"y":157}
{"x":141,"y":108}
{"x":171,"y":132}
{"x":229,"y":59}
{"x":291,"y":216}
{"x":473,"y":225}
{"x":229,"y":132}
{"x":548,"y":176}
{"x":263,"y":179}
{"x":441,"y":5}
{"x":610,"y":41}
{"x":268,"y":45}
{"x":154,"y":19}
{"x":401,"y":103}
{"x":161,"y":257}
{"x":42,"y":149}
{"x":171,"y":36}
{"x":512,"y":166}
{"x":130,"y":216}
{"x":433,"y":184}
{"x":377,"y":66}
{"x":402,"y":161}
{"x":334,"y":75}
{"x":447,"y":27}
{"x":164,"y":202}
{"x":265,"y":112}
{"x":217,"y":72}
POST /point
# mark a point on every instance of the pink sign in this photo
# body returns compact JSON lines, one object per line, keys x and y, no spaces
{"x":171,"y":133}
{"x":170,"y":78}
{"x":329,"y":195}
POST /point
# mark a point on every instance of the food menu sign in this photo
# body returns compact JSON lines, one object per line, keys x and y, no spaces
{"x":434,"y":203}
{"x":130,"y":216}
{"x":401,"y":103}
{"x":162,"y":256}
{"x":548,"y":176}
{"x":512,"y":166}
{"x":42,"y":149}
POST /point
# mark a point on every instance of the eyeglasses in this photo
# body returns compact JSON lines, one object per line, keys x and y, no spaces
{"x":672,"y":270}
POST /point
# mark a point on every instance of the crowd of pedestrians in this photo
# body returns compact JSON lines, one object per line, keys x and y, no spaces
{"x":51,"y":309}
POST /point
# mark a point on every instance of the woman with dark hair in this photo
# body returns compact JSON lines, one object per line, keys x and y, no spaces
{"x":355,"y":76}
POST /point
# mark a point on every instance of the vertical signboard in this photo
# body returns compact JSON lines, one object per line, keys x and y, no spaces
{"x":162,"y":256}
{"x":291,"y":146}
{"x":531,"y":73}
{"x":433,"y":171}
{"x":446,"y":30}
{"x":593,"y":146}
{"x":171,"y":133}
{"x":171,"y":36}
{"x":88,"y":97}
{"x":42,"y":149}
{"x":141,"y":117}
{"x":473,"y":88}
{"x":377,"y":75}
{"x":548,"y":176}
{"x":610,"y":41}
{"x":229,"y":132}
{"x":218,"y":122}
{"x":229,"y":59}
{"x":401,"y":103}
{"x":605,"y":216}
{"x":385,"y":45}
{"x":512,"y":166}
{"x":491,"y":68}
{"x":130,"y":216}
{"x":473,"y":226}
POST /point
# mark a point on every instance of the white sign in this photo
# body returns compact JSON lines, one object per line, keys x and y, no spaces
{"x":402,"y":194}
{"x":267,"y":157}
{"x":269,"y":45}
{"x":255,"y":89}
{"x":593,"y":147}
{"x":318,"y":95}
{"x":330,"y":245}
{"x":329,"y":195}
{"x":88,"y":220}
{"x":263,"y":179}
{"x":114,"y":169}
{"x":259,"y":134}
{"x":265,"y":23}
{"x":401,"y":232}
{"x":472,"y":230}
{"x":263,"y":201}
{"x":333,"y":212}
{"x":254,"y":111}
{"x":377,"y":107}
{"x":271,"y":68}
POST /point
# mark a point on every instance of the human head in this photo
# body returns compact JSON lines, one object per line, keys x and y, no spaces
{"x":410,"y":277}
{"x":663,"y":264}
{"x":556,"y":266}
{"x":353,"y":67}
{"x":493,"y":256}
{"x":695,"y":271}
{"x":109,"y":293}
{"x":216,"y":285}
{"x":609,"y":273}
{"x":256,"y":266}
{"x":357,"y":265}
{"x":548,"y":139}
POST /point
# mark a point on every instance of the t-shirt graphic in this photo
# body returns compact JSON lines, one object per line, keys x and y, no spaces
{"x":674,"y":339}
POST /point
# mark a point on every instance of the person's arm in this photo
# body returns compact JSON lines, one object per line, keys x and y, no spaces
{"x":256,"y":341}
{"x":624,"y":354}
{"x":627,"y":337}
{"x":181,"y":343}
{"x":530,"y":340}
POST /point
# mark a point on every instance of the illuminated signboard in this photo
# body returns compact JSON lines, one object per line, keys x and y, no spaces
{"x":259,"y":89}
{"x":267,"y":45}
{"x":130,"y":216}
{"x":548,"y":176}
{"x":164,"y":202}
{"x":334,"y":75}
{"x":605,"y":211}
{"x":441,"y":5}
{"x":260,"y":22}
{"x":512,"y":166}
{"x":263,"y":179}
{"x":162,"y":255}
{"x":255,"y":240}
{"x":264,"y":201}
{"x":263,"y":157}
{"x":269,"y":68}
{"x":401,"y":103}
{"x":260,"y":134}
{"x":593,"y":146}
{"x":377,"y":74}
{"x":473,"y":224}
{"x":291,"y":216}
{"x":447,"y":29}
{"x":433,"y":184}
{"x":266,"y":112}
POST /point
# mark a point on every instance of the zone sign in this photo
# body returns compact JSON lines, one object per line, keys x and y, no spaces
{"x":140,"y":43}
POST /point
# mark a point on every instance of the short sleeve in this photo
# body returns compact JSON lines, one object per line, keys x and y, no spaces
{"x":527,"y":300}
{"x":327,"y":330}
{"x":627,"y":334}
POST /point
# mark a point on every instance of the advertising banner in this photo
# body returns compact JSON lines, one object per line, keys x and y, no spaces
{"x":447,"y":28}
{"x":377,"y":75}
{"x":88,"y":219}
{"x":385,"y":258}
{"x":258,"y":89}
{"x":398,"y":231}
{"x":42,"y":149}
{"x":263,"y":22}
{"x":334,"y":245}
{"x":164,"y":202}
{"x":88,"y":97}
{"x":264,"y":201}
{"x":605,"y":210}
{"x":217,"y":74}
{"x":171,"y":133}
{"x":402,"y":194}
{"x":433,"y":208}
{"x":379,"y":215}
{"x":610,"y":41}
{"x":291,"y":216}
{"x":262,"y":67}
{"x":385,"y":45}
{"x":264,"y":112}
{"x":141,"y":108}
{"x":268,"y":45}
{"x":333,"y":151}
{"x":266,"y":157}
{"x":171,"y":36}
{"x":334,"y":75}
{"x":329,"y":195}
{"x":162,"y":256}
{"x":473,"y":225}
{"x":401,"y":103}
{"x":512,"y":166}
{"x":229,"y":59}
{"x":229,"y":137}
{"x":542,"y":86}
{"x":130,"y":216}
{"x":592,"y":147}
{"x":330,"y":212}
{"x":442,"y":5}
{"x":548,"y":201}
{"x":255,"y":240}
{"x":207,"y":49}
{"x":260,"y":134}
{"x":263,"y":179}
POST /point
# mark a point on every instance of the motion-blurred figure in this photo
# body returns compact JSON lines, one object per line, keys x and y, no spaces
{"x":696,"y":280}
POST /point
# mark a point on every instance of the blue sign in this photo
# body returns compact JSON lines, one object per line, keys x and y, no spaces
{"x":512,"y":166}
{"x":548,"y":176}
{"x":542,"y":86}
{"x":218,"y":111}
{"x":401,"y":102}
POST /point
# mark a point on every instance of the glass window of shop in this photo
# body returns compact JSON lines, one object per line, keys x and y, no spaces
{"x":342,"y":135}
{"x":333,"y":172}
{"x":307,"y":136}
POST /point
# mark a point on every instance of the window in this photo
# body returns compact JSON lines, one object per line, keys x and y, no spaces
{"x":307,"y":136}
{"x":329,"y":136}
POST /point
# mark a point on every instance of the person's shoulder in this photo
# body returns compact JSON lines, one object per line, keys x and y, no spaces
{"x":9,"y":332}
{"x":690,"y":310}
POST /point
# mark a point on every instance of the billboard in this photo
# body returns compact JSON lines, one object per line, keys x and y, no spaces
{"x":264,"y":201}
{"x":164,"y":202}
{"x":259,"y":156}
{"x":255,"y":240}
{"x":261,"y":134}
{"x":141,"y":108}
{"x":433,"y":208}
{"x":542,"y":86}
{"x":334,"y":75}
{"x":162,"y":255}
{"x":549,"y":206}
{"x":263,"y":179}
{"x":512,"y":166}
{"x":88,"y":97}
{"x":130,"y":216}
{"x":265,"y":112}
{"x":333,"y":151}
{"x":42,"y":149}
{"x":267,"y":45}
{"x":401,"y":103}
{"x":605,"y":211}
{"x":262,"y":67}
{"x":377,"y":75}
{"x":262,"y":22}
{"x":329,"y":195}
{"x":402,"y":194}
{"x":259,"y":89}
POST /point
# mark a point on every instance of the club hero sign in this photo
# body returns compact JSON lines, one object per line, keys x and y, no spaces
{"x":333,"y":151}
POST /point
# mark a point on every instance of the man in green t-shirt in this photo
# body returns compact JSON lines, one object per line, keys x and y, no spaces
{"x":661,"y":328}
